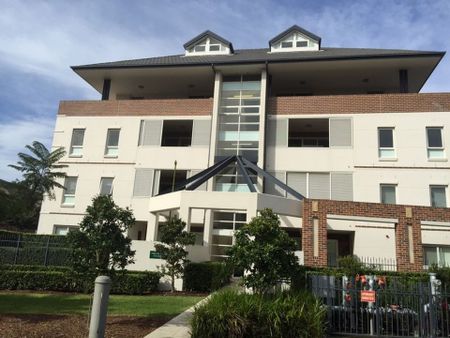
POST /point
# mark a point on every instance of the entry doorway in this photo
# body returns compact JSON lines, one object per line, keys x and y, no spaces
{"x":339,"y":244}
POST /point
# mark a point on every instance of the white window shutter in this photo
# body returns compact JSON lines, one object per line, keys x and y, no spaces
{"x":277,"y":130}
{"x":201,"y":133}
{"x":150,"y":134}
{"x":342,"y":186}
{"x":319,"y":185}
{"x":340,"y":132}
{"x":143,"y":182}
{"x":297,"y":181}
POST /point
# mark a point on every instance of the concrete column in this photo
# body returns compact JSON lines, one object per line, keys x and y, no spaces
{"x":215,"y":120}
{"x":152,"y":227}
{"x":106,"y":89}
{"x":185,"y":214}
{"x":262,"y":127}
{"x":99,"y":307}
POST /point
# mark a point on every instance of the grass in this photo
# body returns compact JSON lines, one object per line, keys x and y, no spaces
{"x":78,"y":304}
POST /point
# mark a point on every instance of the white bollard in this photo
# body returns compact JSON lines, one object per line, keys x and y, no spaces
{"x":99,"y":307}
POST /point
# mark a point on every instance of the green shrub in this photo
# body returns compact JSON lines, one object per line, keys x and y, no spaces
{"x":232,"y":314}
{"x":51,"y":279}
{"x":206,"y":276}
{"x":34,"y":268}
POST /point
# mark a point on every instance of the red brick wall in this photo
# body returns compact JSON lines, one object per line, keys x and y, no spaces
{"x":159,"y":107}
{"x":359,"y":104}
{"x":419,"y":213}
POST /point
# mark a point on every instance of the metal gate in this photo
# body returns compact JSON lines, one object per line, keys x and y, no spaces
{"x":383,"y":306}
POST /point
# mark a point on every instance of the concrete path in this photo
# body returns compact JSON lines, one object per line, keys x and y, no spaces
{"x":177,"y":327}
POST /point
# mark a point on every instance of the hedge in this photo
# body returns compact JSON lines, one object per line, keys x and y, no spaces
{"x":229,"y":313}
{"x":48,"y":279}
{"x":206,"y":276}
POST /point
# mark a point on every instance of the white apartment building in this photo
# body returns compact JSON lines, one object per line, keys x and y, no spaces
{"x":338,"y":141}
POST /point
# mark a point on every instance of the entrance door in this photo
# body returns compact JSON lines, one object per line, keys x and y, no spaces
{"x":333,"y":252}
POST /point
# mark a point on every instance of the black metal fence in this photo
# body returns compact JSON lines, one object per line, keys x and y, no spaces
{"x":33,"y":250}
{"x":380,"y":306}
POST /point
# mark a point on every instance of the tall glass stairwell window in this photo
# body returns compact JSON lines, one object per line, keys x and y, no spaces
{"x":238,"y":130}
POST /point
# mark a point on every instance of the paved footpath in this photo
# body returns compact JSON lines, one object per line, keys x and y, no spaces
{"x":177,"y":327}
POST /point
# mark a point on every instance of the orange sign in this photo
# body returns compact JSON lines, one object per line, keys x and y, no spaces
{"x":368,"y":296}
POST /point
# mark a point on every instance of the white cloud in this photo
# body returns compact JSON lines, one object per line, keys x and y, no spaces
{"x":14,"y":135}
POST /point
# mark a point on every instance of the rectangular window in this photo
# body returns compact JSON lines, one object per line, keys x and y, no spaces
{"x":112,"y":142}
{"x":387,"y":193}
{"x":439,"y":255}
{"x":214,"y":48}
{"x":63,"y":229}
{"x":435,"y":145}
{"x":106,"y":186}
{"x":76,"y":145}
{"x":70,"y":186}
{"x":198,"y":230}
{"x":286,"y":44}
{"x":177,"y":133}
{"x":166,"y":180}
{"x":200,"y":48}
{"x":308,"y":133}
{"x":386,"y":143}
{"x":438,"y":196}
{"x":302,"y":43}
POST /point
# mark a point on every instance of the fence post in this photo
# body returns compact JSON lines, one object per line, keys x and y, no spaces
{"x":46,"y":251}
{"x":17,"y":250}
{"x":99,"y":307}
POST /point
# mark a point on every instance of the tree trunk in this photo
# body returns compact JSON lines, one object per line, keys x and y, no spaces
{"x":173,"y":283}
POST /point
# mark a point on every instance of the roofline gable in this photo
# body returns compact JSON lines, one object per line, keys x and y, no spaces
{"x":210,"y":34}
{"x":292,"y":29}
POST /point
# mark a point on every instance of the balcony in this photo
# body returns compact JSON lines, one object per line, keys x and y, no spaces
{"x":154,"y":107}
{"x":359,"y":104}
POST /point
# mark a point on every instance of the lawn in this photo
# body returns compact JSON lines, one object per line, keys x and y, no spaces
{"x":78,"y":304}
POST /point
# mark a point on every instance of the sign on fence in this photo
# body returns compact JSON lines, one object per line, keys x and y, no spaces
{"x":368,"y":296}
{"x":155,"y":254}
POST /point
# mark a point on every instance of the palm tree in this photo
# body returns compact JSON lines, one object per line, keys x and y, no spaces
{"x":39,"y":170}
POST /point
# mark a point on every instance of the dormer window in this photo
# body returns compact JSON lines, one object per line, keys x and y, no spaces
{"x":295,"y":39}
{"x":208,"y":43}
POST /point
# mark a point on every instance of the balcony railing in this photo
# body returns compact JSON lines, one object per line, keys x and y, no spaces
{"x":375,"y":263}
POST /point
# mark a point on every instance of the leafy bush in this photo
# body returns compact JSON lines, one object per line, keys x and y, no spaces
{"x":206,"y":276}
{"x":34,"y":268}
{"x":232,"y":314}
{"x":442,"y":273}
{"x":51,"y":279}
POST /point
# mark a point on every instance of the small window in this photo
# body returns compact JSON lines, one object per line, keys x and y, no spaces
{"x":76,"y":145}
{"x":200,"y":48}
{"x":302,"y":44}
{"x":177,"y":133}
{"x":214,"y":48}
{"x":63,"y":230}
{"x":308,"y":133}
{"x":166,"y":180}
{"x":286,"y":44}
{"x":112,"y":142}
{"x":435,"y":146}
{"x":386,"y":143}
{"x":438,"y":196}
{"x":198,"y":231}
{"x":387,"y":193}
{"x":106,"y":186}
{"x":439,"y":255}
{"x":70,"y":186}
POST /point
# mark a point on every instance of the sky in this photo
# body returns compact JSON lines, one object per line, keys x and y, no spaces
{"x":40,"y":40}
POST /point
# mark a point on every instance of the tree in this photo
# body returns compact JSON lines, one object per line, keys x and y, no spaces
{"x":172,"y":249}
{"x":100,"y":245}
{"x":39,"y":170}
{"x":264,"y":251}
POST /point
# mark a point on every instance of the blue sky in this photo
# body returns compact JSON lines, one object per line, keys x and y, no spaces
{"x":40,"y":40}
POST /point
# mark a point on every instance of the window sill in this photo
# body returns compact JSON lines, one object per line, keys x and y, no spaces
{"x":75,"y":156}
{"x":111,"y":156}
{"x":385,"y":159}
{"x":67,"y":205}
{"x":437,"y":160}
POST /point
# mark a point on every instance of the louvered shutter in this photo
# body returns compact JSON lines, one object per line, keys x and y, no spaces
{"x":342,"y":186}
{"x":340,"y":132}
{"x":150,"y":133}
{"x":143,"y":182}
{"x":297,"y":181}
{"x":319,"y":185}
{"x":201,"y":132}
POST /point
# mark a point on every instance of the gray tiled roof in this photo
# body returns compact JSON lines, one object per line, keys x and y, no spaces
{"x":245,"y":56}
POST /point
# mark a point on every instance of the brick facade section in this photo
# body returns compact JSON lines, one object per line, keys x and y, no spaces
{"x":325,"y":207}
{"x":157,"y":107}
{"x":359,"y":104}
